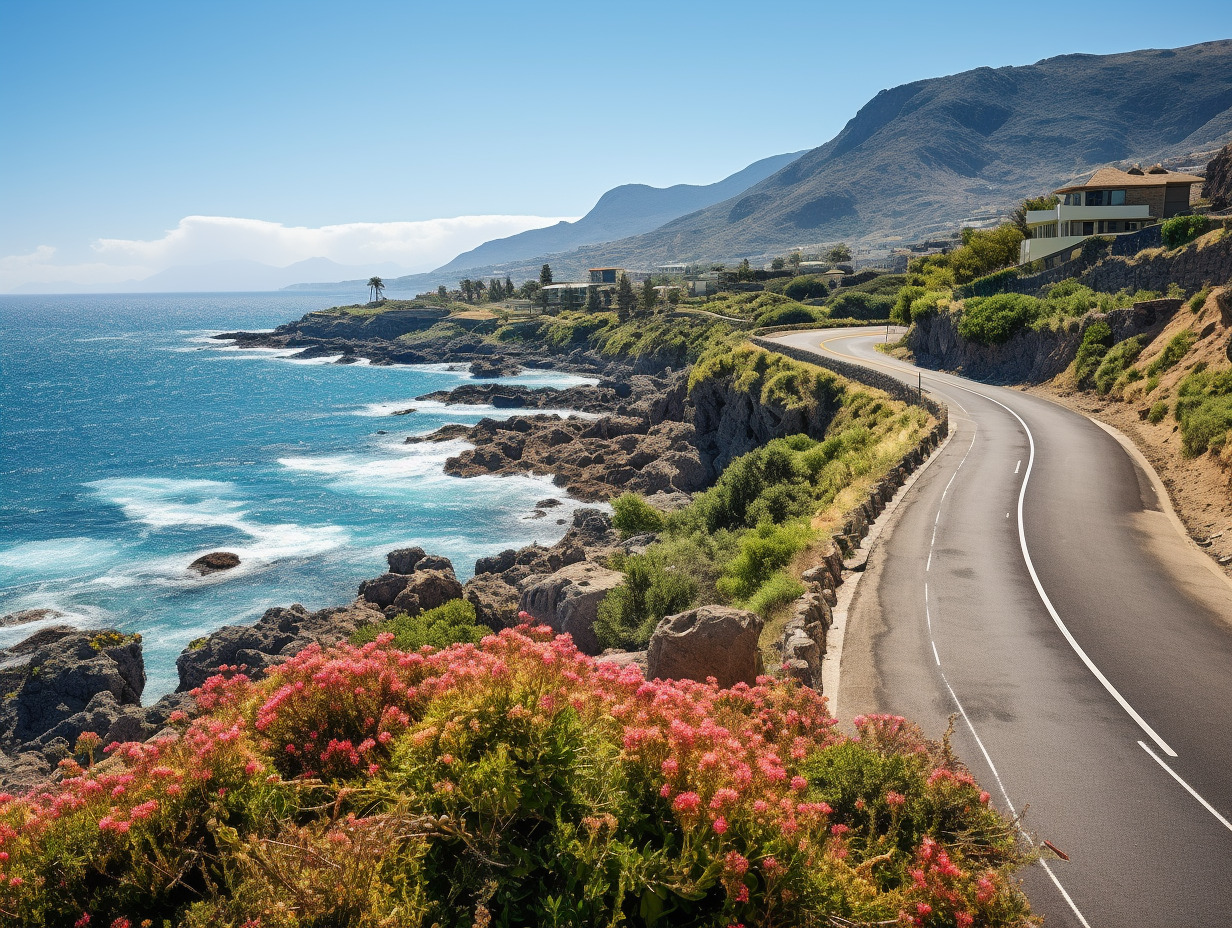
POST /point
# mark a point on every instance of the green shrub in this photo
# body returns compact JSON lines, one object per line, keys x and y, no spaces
{"x":791,"y":315}
{"x":1096,"y":341}
{"x":1116,"y":362}
{"x":1199,"y":300}
{"x":1157,"y":412}
{"x":1181,"y":230}
{"x":763,"y":551}
{"x":1204,"y":410}
{"x":452,"y":623}
{"x":807,"y":287}
{"x":900,"y":312}
{"x":651,"y":590}
{"x":993,"y":320}
{"x":927,"y":304}
{"x":781,"y":589}
{"x":855,"y":304}
{"x":1176,"y":348}
{"x":632,"y":515}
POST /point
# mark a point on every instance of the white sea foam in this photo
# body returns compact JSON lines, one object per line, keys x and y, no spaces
{"x":163,"y":503}
{"x":463,"y":410}
{"x":57,"y":557}
{"x":69,"y":613}
{"x":328,"y":359}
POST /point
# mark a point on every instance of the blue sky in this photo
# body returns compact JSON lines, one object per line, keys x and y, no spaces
{"x":122,"y":118}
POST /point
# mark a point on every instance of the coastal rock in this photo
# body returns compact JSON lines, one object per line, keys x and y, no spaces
{"x":214,"y":562}
{"x":709,"y":641}
{"x":383,"y":590}
{"x":568,"y":600}
{"x":495,"y":600}
{"x":403,"y":560}
{"x":625,"y":659}
{"x":280,"y":633}
{"x":497,"y":563}
{"x":493,"y":367}
{"x":427,"y":589}
{"x":28,"y":615}
{"x":63,"y":675}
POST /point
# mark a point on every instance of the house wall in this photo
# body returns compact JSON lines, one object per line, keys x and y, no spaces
{"x":1152,"y":197}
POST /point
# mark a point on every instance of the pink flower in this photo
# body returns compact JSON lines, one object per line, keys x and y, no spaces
{"x":83,"y":921}
{"x":895,"y":800}
{"x":719,"y":825}
{"x":798,"y":783}
{"x":687,"y":802}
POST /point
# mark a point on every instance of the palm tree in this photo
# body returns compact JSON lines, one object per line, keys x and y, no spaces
{"x":376,"y":286}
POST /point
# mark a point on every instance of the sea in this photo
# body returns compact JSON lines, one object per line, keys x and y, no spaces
{"x":131,"y":443}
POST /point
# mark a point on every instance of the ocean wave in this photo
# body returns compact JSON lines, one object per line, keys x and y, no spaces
{"x":164,"y":503}
{"x":69,"y":612}
{"x":62,"y":558}
{"x":459,"y":410}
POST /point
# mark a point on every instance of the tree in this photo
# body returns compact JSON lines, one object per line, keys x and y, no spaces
{"x":650,"y":296}
{"x":467,"y":287}
{"x":442,"y":293}
{"x":570,"y":299}
{"x":530,"y":289}
{"x":496,"y":290}
{"x":839,"y":254}
{"x":376,"y":286}
{"x":794,"y":259}
{"x":744,"y":271}
{"x":479,"y":286}
{"x":673,"y":296}
{"x":545,"y":275}
{"x":592,"y":300}
{"x":777,"y":264}
{"x":625,"y":298}
{"x":509,"y":288}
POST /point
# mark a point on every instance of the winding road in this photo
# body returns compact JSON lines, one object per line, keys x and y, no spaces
{"x":1037,"y":584}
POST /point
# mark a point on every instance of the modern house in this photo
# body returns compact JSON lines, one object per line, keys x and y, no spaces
{"x":1109,"y":202}
{"x":566,"y":294}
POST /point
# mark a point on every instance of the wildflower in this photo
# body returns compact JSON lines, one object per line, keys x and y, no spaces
{"x":83,"y":921}
{"x":719,"y":825}
{"x":895,"y":800}
{"x":798,"y":783}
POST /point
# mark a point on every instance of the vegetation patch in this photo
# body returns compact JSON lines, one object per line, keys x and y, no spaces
{"x":1181,"y":230}
{"x":512,"y":782}
{"x":1204,"y":410}
{"x":1116,"y":363}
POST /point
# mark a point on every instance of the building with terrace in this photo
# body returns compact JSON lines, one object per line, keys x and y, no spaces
{"x":1109,"y":202}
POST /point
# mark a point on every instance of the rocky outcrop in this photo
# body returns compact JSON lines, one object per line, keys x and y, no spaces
{"x":26,"y":616}
{"x":280,"y":633}
{"x":214,"y":562}
{"x":1218,"y":186}
{"x":709,"y":641}
{"x":61,"y":683}
{"x":1029,"y":356}
{"x":568,"y":600}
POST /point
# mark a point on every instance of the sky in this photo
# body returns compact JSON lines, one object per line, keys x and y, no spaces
{"x":139,"y":136}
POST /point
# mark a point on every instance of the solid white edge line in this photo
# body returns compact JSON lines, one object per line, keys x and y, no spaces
{"x":1189,"y":789}
{"x":1039,"y":587}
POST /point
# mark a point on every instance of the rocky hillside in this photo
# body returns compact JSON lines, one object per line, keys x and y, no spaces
{"x":919,"y":158}
{"x":1218,"y":187}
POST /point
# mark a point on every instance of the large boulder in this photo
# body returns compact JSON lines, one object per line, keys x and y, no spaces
{"x":568,"y":600}
{"x":427,"y":589}
{"x":709,"y":641}
{"x":215,"y":561}
{"x":383,"y":590}
{"x":65,"y":675}
{"x":495,"y":600}
{"x":403,"y":560}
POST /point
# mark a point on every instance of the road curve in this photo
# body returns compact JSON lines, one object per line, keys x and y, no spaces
{"x":1036,"y":584}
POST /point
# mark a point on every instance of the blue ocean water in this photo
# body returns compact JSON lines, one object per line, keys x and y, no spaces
{"x":132,"y":443}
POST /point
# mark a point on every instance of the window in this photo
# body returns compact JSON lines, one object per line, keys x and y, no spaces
{"x":1095,"y":198}
{"x":1116,"y":197}
{"x":1131,"y":227}
{"x":1088,"y":228}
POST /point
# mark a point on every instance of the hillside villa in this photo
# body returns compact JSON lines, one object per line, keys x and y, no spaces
{"x":1110,"y":202}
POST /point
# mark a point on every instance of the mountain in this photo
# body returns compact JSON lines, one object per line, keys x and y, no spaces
{"x":921,"y":158}
{"x":629,"y":209}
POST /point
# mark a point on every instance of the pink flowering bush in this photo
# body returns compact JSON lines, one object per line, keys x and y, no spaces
{"x":512,"y":782}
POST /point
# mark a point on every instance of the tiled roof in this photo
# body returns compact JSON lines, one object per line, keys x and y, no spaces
{"x":1111,"y":177}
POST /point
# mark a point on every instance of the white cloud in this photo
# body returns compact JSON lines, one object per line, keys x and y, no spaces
{"x":201,"y":240}
{"x":38,"y":267}
{"x":417,"y":246}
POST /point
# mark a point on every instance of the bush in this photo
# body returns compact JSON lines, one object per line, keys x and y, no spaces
{"x":807,"y":287}
{"x":855,"y":304}
{"x":1181,"y":230}
{"x":928,"y":304}
{"x":1116,"y":363}
{"x":900,"y":312}
{"x":993,"y":320}
{"x":763,"y":552}
{"x":451,"y":623}
{"x":782,"y":588}
{"x":632,"y":515}
{"x":1176,"y":348}
{"x":1096,"y":341}
{"x":514,"y":782}
{"x":790,"y":315}
{"x":1204,"y":410}
{"x":629,"y":614}
{"x":1199,"y":300}
{"x":1157,"y":412}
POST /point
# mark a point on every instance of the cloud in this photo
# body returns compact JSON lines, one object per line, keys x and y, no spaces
{"x":38,"y":267}
{"x":417,"y":246}
{"x":203,"y":240}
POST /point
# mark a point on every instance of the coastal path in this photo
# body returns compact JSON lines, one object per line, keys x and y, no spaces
{"x":1037,"y":586}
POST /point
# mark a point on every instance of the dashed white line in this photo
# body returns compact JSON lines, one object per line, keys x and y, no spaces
{"x":1018,"y":465}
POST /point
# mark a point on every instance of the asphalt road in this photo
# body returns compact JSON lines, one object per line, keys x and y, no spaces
{"x":1038,"y":585}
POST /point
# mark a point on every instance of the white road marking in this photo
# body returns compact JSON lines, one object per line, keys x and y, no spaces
{"x":1193,"y":792}
{"x":1018,"y":465}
